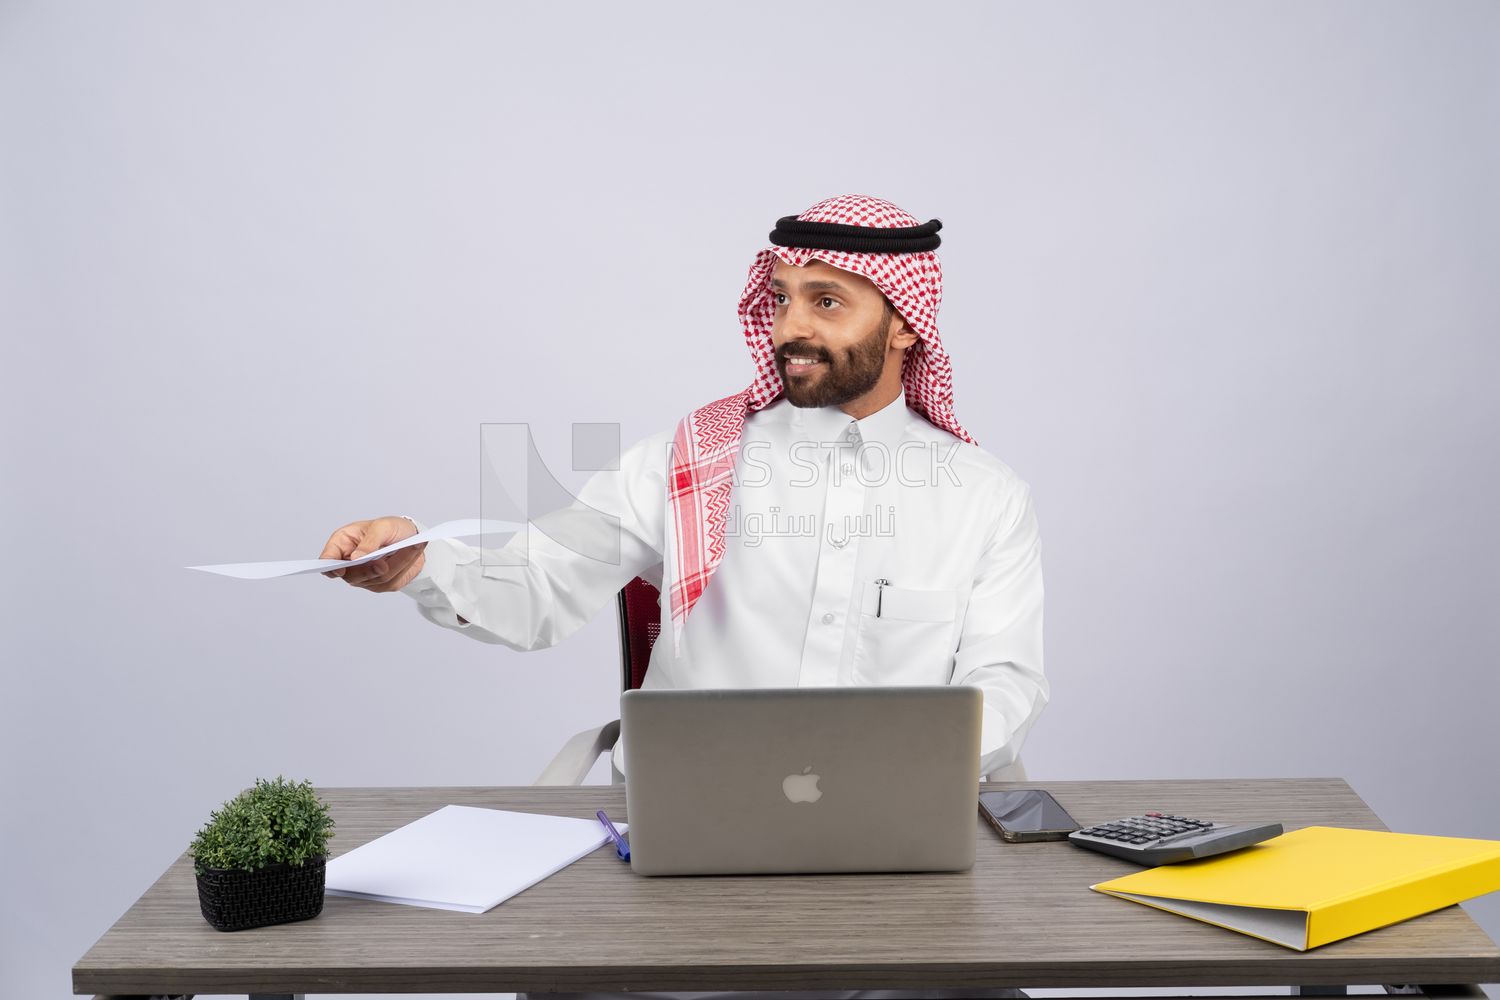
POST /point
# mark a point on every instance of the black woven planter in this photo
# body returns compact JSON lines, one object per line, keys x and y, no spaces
{"x":236,"y":899}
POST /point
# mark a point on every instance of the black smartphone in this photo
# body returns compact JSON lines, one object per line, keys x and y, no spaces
{"x":1026,"y":815}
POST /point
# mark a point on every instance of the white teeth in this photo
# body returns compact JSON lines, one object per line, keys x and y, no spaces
{"x":802,"y":361}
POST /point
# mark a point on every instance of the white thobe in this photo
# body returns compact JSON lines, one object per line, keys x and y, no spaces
{"x":876,"y":551}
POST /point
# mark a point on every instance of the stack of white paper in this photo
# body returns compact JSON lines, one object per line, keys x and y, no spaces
{"x":463,"y":858}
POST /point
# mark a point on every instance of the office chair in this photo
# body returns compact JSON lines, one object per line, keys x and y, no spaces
{"x":638,"y":608}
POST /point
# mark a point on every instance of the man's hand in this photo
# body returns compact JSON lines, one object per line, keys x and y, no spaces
{"x":388,"y":573}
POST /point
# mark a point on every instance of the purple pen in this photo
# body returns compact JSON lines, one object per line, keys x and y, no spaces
{"x":621,"y":848}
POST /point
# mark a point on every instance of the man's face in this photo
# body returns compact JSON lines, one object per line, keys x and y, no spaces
{"x":841,"y":322}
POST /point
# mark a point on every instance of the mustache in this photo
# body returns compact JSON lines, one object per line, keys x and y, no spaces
{"x":786,"y":353}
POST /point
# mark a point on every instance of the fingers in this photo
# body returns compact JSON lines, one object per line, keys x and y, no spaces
{"x":393,"y":580}
{"x":385,"y":570}
{"x":357,"y":576}
{"x":402,"y":578}
{"x":341,"y":543}
{"x":392,"y":572}
{"x":359,"y":539}
{"x":363,"y":576}
{"x":378,"y":534}
{"x":335,"y":546}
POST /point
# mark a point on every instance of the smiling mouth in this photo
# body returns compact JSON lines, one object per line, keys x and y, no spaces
{"x":800,"y":366}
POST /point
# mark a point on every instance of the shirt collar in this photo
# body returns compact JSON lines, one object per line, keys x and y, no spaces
{"x":830,"y":425}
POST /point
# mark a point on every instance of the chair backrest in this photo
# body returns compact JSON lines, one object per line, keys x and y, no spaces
{"x":640,"y":624}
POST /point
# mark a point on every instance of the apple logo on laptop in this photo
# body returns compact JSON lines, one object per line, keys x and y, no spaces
{"x":802,"y":787}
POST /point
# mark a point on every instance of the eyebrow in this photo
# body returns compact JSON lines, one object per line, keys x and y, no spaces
{"x":813,"y":286}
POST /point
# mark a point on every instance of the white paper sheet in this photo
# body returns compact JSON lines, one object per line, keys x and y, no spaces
{"x":1288,"y":927}
{"x":465,"y":528}
{"x":463,"y":858}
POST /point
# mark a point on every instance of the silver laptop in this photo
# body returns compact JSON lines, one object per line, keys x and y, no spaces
{"x":853,"y":779}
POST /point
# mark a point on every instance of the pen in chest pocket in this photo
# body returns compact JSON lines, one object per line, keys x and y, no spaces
{"x":880,"y":586}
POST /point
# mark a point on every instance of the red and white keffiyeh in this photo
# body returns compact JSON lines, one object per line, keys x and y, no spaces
{"x":708,"y":439}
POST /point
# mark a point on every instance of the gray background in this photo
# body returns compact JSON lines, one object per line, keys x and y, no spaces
{"x":1220,"y":286}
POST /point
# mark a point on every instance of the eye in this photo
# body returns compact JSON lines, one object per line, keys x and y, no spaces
{"x":778,"y":296}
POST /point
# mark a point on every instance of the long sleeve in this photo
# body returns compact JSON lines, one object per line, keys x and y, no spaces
{"x":546,"y":582}
{"x":1000,"y":648}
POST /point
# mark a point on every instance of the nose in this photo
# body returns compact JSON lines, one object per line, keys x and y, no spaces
{"x":797,"y":323}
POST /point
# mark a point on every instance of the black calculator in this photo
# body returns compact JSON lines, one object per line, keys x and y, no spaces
{"x":1156,"y":838}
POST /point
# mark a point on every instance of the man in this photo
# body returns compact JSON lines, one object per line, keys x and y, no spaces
{"x":855,"y":532}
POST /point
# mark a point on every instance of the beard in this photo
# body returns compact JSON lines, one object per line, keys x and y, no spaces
{"x":842,"y":378}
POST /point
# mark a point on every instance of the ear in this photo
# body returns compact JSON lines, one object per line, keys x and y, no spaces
{"x":902,"y":336}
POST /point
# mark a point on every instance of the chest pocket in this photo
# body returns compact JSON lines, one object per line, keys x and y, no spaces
{"x":911,"y":642}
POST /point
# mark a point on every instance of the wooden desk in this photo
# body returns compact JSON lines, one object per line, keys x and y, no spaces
{"x":1024,"y":916}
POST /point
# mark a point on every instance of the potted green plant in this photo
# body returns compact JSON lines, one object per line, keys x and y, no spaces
{"x":260,"y":858}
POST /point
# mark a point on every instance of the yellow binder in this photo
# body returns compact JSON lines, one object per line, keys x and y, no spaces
{"x":1319,"y":884}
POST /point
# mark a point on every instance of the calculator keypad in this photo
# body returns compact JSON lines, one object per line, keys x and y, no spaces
{"x":1156,"y":838}
{"x":1147,"y":828}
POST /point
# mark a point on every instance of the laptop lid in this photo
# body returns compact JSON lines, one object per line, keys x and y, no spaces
{"x":838,"y":779}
